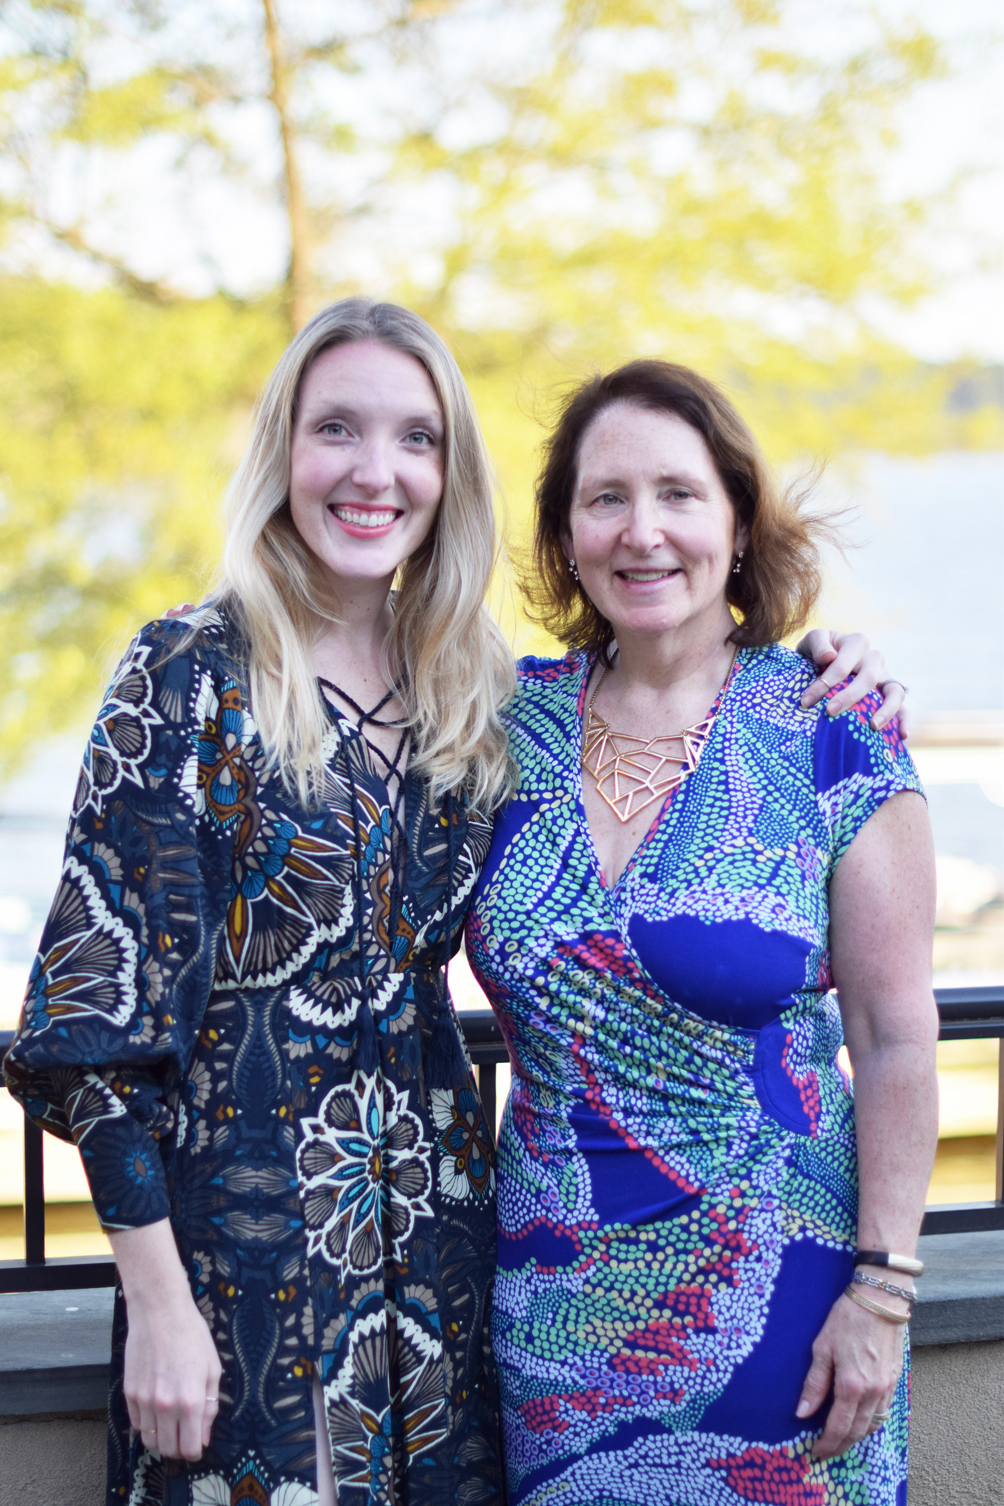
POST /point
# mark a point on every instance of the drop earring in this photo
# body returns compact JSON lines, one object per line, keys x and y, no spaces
{"x":573,"y":570}
{"x":737,"y":562}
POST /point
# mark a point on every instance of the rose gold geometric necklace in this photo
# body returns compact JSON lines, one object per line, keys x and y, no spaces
{"x":632,"y":772}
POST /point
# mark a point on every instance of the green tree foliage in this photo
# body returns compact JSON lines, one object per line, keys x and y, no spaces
{"x":118,"y":419}
{"x":556,"y":185}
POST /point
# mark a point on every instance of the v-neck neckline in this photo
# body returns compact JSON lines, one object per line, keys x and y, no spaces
{"x":652,"y":830}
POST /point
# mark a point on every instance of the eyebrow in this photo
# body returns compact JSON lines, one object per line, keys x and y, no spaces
{"x":672,"y":478}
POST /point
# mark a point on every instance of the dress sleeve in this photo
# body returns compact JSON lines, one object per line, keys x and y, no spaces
{"x":857,"y":769}
{"x":118,"y":989}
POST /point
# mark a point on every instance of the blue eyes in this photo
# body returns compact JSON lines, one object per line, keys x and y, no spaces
{"x":336,"y":430}
{"x":610,"y":499}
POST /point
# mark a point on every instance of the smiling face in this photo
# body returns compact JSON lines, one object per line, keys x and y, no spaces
{"x":651,"y":527}
{"x":366,"y":460}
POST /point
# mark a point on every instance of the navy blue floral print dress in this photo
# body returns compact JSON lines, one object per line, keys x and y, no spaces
{"x":238,"y":1013}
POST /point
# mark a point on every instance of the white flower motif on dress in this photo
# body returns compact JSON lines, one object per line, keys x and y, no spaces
{"x":120,"y":742}
{"x":365,"y":1172}
{"x":465,"y":1150}
{"x":385,"y":1403}
{"x":213,"y":1490}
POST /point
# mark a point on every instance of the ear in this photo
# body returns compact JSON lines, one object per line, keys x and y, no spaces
{"x":742,"y":538}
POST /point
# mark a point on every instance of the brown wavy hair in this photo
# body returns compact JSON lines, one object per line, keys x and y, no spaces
{"x":780,"y":578}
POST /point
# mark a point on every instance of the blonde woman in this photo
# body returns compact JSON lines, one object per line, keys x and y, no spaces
{"x":238,"y":1011}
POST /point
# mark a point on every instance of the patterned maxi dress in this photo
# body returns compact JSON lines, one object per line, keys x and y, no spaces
{"x":238,"y":1013}
{"x":677,"y":1170}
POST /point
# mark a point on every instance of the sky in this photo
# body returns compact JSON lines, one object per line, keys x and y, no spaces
{"x":954,"y":124}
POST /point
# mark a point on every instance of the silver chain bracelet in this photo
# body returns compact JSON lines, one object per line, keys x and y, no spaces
{"x":860,"y":1279}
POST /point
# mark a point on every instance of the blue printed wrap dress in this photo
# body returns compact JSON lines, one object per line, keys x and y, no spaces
{"x":677,"y":1165}
{"x":238,"y":1014}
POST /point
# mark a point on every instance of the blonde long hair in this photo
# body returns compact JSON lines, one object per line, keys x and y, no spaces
{"x":447,"y":655}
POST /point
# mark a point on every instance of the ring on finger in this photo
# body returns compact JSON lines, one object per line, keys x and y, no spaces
{"x":904,"y":688}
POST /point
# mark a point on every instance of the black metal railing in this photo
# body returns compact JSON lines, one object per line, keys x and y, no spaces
{"x":969,"y":1014}
{"x":966,"y":1014}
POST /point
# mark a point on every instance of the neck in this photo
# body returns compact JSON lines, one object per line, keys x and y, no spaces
{"x":677,"y":657}
{"x":350,"y":646}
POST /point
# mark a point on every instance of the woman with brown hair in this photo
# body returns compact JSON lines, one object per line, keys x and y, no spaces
{"x":703,"y":1235}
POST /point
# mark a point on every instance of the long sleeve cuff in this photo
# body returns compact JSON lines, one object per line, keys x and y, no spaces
{"x":125,"y":1173}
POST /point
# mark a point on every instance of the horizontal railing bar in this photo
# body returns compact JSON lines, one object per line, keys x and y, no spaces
{"x":965,"y":1013}
{"x":480,"y":1026}
{"x":485,"y":1041}
{"x":971,"y":1030}
{"x":962,"y":1218}
{"x":73,"y":1273}
{"x":970,"y":1003}
{"x":964,"y":1006}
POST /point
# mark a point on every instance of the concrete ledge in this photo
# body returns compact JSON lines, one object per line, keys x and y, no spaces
{"x":962,"y":1289}
{"x":55,"y":1346}
{"x":55,"y":1349}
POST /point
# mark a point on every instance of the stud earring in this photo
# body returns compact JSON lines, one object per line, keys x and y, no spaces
{"x":737,"y":562}
{"x":574,"y":571}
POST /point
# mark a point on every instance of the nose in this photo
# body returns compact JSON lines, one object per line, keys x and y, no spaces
{"x":372,"y":471}
{"x":643,"y":525}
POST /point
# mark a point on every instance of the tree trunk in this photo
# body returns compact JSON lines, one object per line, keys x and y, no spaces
{"x":298,"y":279}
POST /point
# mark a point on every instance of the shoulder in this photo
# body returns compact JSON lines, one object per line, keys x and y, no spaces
{"x":534,"y":672}
{"x":549,"y":688}
{"x":776,"y":670}
{"x":171,"y":660}
{"x":848,"y":746}
{"x":175,"y":688}
{"x":203,"y":635}
{"x":543,"y":718}
{"x":769,"y":688}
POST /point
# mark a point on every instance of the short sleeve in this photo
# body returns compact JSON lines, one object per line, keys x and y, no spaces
{"x":126,"y":961}
{"x":857,"y":769}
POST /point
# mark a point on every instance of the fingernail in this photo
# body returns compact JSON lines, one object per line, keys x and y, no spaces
{"x":802,"y":1409}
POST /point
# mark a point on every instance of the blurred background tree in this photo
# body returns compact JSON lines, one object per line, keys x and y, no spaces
{"x":555,"y":185}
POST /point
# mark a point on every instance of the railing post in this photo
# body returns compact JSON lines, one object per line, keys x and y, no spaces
{"x":999,"y":1192}
{"x":34,"y":1195}
{"x":486,"y":1087}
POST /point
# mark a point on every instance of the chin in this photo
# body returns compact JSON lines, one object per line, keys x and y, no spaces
{"x":654,"y":621}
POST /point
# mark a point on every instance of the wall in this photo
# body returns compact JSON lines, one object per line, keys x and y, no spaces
{"x":957,"y":1445}
{"x":957,"y":1431}
{"x":56,"y":1459}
